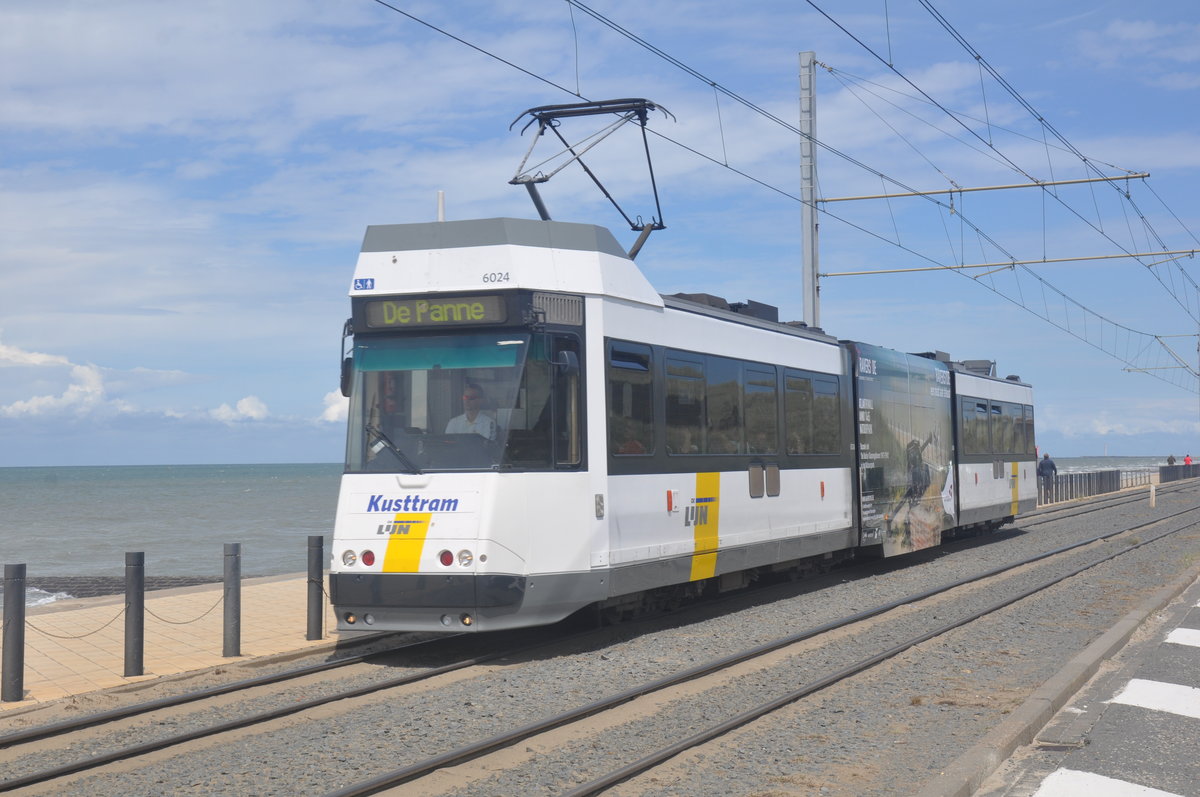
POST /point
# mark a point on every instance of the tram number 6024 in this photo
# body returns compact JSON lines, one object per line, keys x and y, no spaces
{"x":496,"y":276}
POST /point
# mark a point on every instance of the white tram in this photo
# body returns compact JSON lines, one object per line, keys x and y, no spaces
{"x":533,"y":429}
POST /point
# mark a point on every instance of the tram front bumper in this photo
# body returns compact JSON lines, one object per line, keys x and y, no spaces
{"x":424,"y":601}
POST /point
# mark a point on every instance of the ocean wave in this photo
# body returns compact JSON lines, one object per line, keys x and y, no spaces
{"x":39,"y":597}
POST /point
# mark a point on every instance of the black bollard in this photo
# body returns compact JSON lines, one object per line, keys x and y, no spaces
{"x":233,"y":599}
{"x":135,"y":613}
{"x":12,"y":689}
{"x":316,"y":555}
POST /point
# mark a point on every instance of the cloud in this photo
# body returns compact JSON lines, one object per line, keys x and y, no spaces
{"x":84,"y":394}
{"x":251,"y":408}
{"x":64,"y":389}
{"x":11,"y":355}
{"x":38,"y":383}
{"x":1145,"y":47}
{"x":1132,"y":419}
{"x":337,"y":407}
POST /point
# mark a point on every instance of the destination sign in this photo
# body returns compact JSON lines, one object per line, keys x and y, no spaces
{"x":444,"y":312}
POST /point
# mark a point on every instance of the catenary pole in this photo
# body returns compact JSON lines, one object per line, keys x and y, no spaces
{"x":808,"y":186}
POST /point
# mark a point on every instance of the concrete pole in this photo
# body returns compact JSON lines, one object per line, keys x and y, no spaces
{"x":808,"y":187}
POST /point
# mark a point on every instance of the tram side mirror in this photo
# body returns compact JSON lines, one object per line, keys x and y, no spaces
{"x":347,"y":374}
{"x":568,"y":361}
{"x":347,"y":359}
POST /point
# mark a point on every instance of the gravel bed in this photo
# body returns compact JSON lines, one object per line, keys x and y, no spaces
{"x":884,"y":734}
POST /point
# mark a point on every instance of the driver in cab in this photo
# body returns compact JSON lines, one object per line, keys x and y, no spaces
{"x":473,"y":419}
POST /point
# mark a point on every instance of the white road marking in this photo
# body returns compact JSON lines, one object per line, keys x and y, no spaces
{"x":1159,"y":696}
{"x":1072,"y":783}
{"x":1185,"y":636}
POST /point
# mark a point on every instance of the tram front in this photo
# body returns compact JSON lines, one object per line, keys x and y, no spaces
{"x":465,"y":478}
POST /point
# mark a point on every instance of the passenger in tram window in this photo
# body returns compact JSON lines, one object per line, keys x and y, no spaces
{"x":679,"y":440}
{"x":761,"y":444}
{"x":722,"y":442}
{"x":473,"y":419}
{"x":626,"y":440}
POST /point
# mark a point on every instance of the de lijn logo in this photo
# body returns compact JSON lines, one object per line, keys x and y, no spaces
{"x":697,"y":513}
{"x":400,"y":526}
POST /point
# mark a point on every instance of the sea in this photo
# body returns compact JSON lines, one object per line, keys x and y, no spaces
{"x":81,"y":521}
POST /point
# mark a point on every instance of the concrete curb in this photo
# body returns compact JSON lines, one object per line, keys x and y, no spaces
{"x":966,"y":774}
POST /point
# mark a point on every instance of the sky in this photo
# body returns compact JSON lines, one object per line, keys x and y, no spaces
{"x":184,"y":189}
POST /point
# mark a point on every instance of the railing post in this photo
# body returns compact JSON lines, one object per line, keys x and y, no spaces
{"x":316,"y":556}
{"x":13,"y":675}
{"x":233,"y":599}
{"x":135,"y":613}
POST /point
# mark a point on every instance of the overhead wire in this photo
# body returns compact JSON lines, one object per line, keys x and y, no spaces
{"x":717,"y":87}
{"x":1024,"y":103}
{"x":699,"y":76}
{"x":1047,"y":126}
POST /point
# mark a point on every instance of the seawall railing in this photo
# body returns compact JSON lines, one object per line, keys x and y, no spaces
{"x":1070,"y":486}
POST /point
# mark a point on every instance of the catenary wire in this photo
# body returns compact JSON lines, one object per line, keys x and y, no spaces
{"x":832,"y":150}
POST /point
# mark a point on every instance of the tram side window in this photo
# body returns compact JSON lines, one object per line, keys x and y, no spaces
{"x":568,"y":405}
{"x":975,"y":426}
{"x":1015,"y":421}
{"x":826,"y":422}
{"x":811,"y":414}
{"x":762,"y":424}
{"x":1001,"y":429}
{"x":630,"y":399}
{"x":797,"y":413}
{"x":1030,"y":444}
{"x":724,"y":406}
{"x":685,"y":405}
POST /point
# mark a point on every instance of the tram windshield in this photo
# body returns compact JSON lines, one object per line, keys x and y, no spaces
{"x":463,"y":402}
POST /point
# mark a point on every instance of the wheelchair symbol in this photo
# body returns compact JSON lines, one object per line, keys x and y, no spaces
{"x":367,"y":284}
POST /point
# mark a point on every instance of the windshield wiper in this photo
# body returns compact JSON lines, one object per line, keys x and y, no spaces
{"x":400,"y":455}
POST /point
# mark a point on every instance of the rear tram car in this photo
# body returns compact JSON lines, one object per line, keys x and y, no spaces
{"x":533,"y":429}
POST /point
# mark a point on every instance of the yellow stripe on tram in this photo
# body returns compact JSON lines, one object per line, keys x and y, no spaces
{"x":1015,"y":482}
{"x":705,"y":522}
{"x":405,"y":542}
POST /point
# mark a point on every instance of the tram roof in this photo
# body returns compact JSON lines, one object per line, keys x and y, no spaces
{"x":491,"y":232}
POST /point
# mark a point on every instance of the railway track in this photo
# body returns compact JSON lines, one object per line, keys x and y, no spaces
{"x":98,"y":747}
{"x":721,"y":668}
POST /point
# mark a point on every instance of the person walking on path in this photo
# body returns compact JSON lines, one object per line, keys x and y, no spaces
{"x":1047,"y":471}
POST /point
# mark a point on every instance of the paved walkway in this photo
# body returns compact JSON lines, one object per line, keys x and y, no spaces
{"x":1052,"y":728}
{"x":1132,"y":732}
{"x":78,"y":646}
